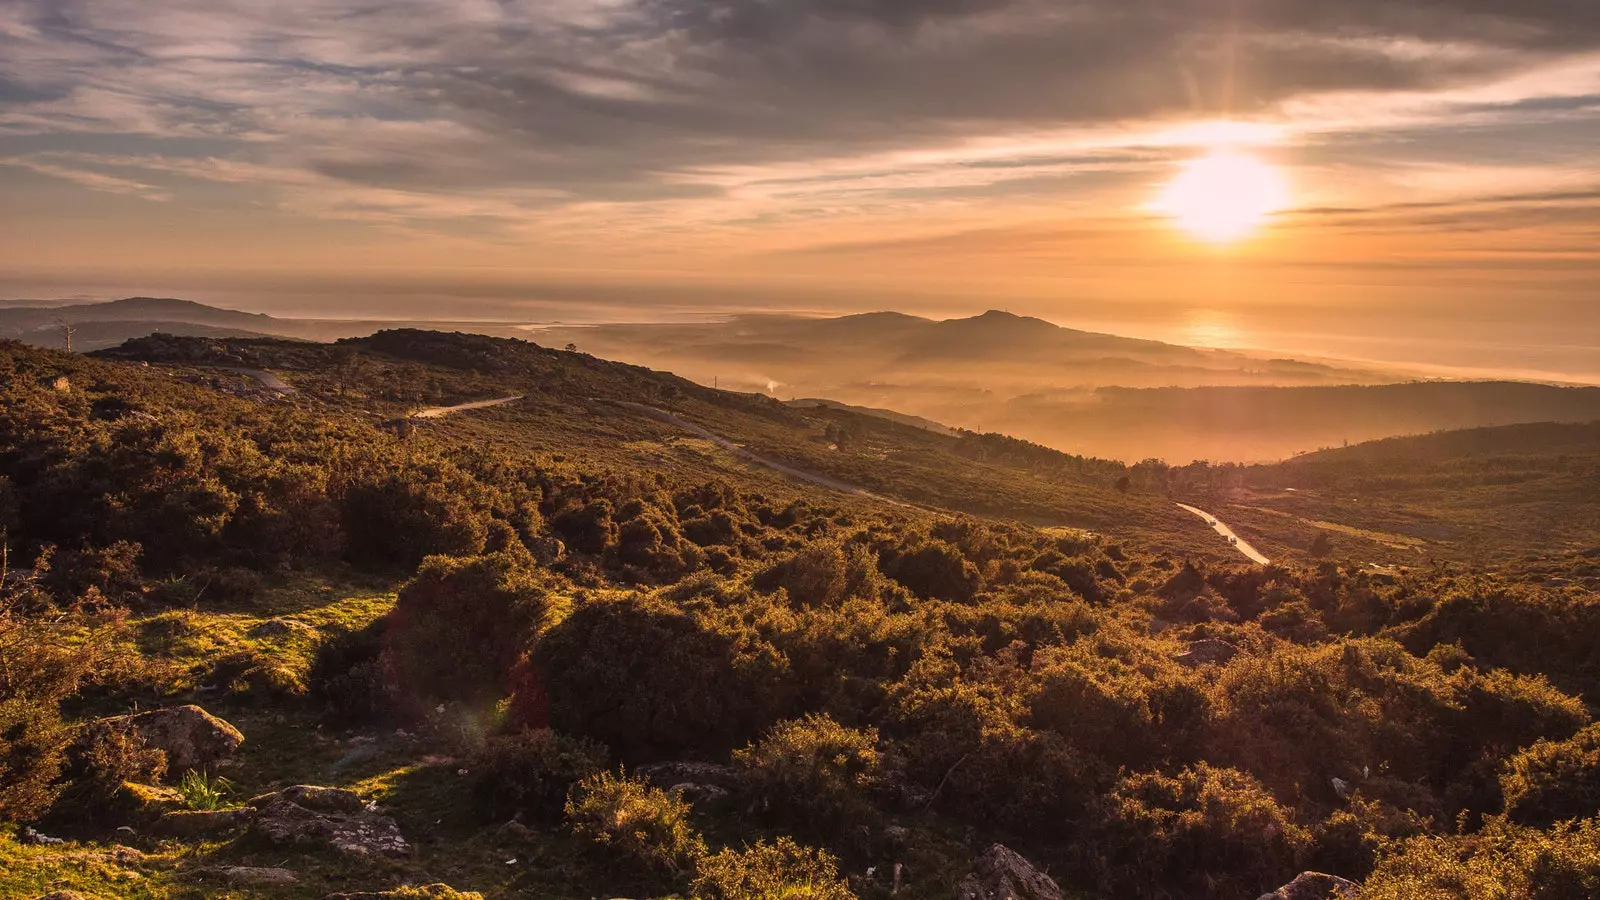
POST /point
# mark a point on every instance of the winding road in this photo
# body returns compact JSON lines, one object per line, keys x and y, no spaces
{"x":435,"y":412}
{"x":1238,"y":543}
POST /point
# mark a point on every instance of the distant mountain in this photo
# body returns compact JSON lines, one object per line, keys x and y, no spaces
{"x":100,"y":325}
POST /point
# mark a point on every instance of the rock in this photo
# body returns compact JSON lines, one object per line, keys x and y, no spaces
{"x":701,"y":794}
{"x":896,"y":834}
{"x":421,"y":892}
{"x":1314,"y":886}
{"x":63,"y":895}
{"x":321,"y":799}
{"x":191,"y":737}
{"x":672,"y":774}
{"x":149,"y":801}
{"x":195,"y":823}
{"x":309,"y":816}
{"x":1002,"y":874}
{"x":1207,"y":651}
{"x":1342,"y":788}
{"x":254,"y":875}
{"x":29,"y":836}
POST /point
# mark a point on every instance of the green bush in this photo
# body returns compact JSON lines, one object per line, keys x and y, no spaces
{"x":766,"y":871}
{"x":634,"y":822}
{"x":813,"y":773}
{"x":527,"y":775}
{"x":346,"y":677}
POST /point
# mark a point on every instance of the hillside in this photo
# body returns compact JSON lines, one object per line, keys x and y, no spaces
{"x":611,"y":637}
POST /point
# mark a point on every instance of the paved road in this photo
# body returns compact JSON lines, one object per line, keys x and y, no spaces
{"x":662,"y":415}
{"x":434,"y":412}
{"x":1254,"y":554}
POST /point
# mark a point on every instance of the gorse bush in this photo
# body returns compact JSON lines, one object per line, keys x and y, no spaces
{"x":1502,"y":860}
{"x":813,"y":773}
{"x":783,"y":869}
{"x":1554,"y":780}
{"x":459,"y":628}
{"x":634,"y":822}
{"x":37,"y":672}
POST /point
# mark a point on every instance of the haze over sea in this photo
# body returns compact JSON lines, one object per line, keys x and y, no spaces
{"x":1539,"y":337}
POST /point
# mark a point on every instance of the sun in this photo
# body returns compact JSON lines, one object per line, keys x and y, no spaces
{"x":1224,"y":196}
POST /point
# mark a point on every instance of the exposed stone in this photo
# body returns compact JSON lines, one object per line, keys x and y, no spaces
{"x":187,"y":823}
{"x":420,"y":892}
{"x":1314,"y":886}
{"x":149,"y":801}
{"x":672,"y":774}
{"x":254,"y":875}
{"x":309,"y":816}
{"x":63,"y":895}
{"x":191,"y":737}
{"x":1207,"y":651}
{"x":1000,"y":873}
{"x":701,"y":795}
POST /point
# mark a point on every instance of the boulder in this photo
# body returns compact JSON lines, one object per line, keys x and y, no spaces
{"x":1207,"y":652}
{"x":191,"y":737}
{"x":149,"y":801}
{"x":1000,"y":873}
{"x":196,"y":823}
{"x":701,"y":795}
{"x":1315,"y":886}
{"x":332,"y":818}
{"x":63,"y":895}
{"x":254,"y":875}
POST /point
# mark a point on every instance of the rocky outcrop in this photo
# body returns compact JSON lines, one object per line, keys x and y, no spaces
{"x":668,"y":775}
{"x":191,"y":737}
{"x":322,"y":817}
{"x":1315,"y":886}
{"x":1002,"y":874}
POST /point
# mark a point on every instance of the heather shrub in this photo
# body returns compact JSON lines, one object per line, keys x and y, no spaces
{"x":36,"y":674}
{"x":1502,"y":860}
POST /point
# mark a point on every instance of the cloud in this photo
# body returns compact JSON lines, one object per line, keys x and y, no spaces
{"x":531,"y":114}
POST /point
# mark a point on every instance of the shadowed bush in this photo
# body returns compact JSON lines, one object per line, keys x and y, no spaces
{"x":635,"y":823}
{"x":527,"y":775}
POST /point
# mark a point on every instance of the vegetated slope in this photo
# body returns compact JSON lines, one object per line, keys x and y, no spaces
{"x":474,"y":623}
{"x":1516,"y":492}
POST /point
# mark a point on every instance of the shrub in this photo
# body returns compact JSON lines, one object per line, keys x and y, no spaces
{"x":1500,"y":861}
{"x":635,"y":822}
{"x":937,"y":571}
{"x":813,"y":773}
{"x":36,"y":674}
{"x":766,"y":871}
{"x":665,"y":684}
{"x":346,"y":677}
{"x":101,"y":764}
{"x":527,"y":775}
{"x":1204,"y":832}
{"x":1554,"y":780}
{"x":458,"y":629}
{"x":399,"y":518}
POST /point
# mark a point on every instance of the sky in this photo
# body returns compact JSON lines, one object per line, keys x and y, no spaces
{"x":1440,"y":159}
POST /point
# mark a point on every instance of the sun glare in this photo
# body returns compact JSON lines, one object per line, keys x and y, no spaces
{"x":1224,"y":196}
